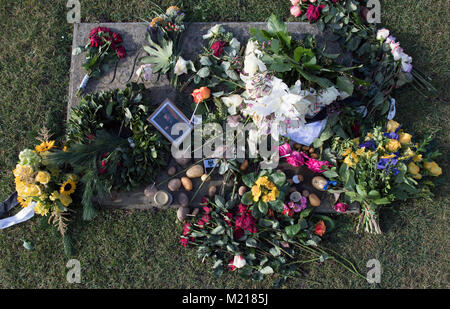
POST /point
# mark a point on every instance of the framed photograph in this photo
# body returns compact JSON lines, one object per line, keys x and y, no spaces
{"x":165,"y":117}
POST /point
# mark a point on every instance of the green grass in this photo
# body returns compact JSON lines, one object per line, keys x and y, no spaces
{"x":140,"y":249}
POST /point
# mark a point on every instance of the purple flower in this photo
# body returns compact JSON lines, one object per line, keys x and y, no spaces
{"x":368,"y":145}
{"x":391,"y":135}
{"x":388,"y":164}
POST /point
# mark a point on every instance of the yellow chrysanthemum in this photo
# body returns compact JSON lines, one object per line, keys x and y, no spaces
{"x":156,"y":20}
{"x":24,"y":202}
{"x":172,"y":9}
{"x":68,"y":187}
{"x":256,"y":192}
{"x":45,"y":146}
{"x":43,"y":177}
{"x":40,"y":209}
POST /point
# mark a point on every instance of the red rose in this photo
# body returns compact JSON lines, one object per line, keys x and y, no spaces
{"x":184,"y":241}
{"x":313,"y":12}
{"x":121,"y":52}
{"x":217,"y":48}
{"x":117,"y":38}
{"x":320,"y":228}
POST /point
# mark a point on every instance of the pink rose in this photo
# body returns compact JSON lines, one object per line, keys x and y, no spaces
{"x":295,"y":11}
{"x":295,"y":2}
{"x":341,"y":207}
{"x":313,"y":12}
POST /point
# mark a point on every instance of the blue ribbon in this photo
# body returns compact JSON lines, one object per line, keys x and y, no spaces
{"x":333,"y":183}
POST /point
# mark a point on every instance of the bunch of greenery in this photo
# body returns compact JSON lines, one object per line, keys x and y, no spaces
{"x":292,"y":60}
{"x":111,"y":143}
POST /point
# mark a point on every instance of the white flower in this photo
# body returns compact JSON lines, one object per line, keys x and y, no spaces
{"x":382,"y":34}
{"x":145,"y":71}
{"x":215,"y":30}
{"x":396,"y":50}
{"x":251,"y":47}
{"x":232,"y":102}
{"x":181,"y":66}
{"x":252,"y":64}
{"x":327,"y":96}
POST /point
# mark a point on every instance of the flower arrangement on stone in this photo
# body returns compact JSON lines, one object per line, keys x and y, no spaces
{"x":103,"y":50}
{"x":43,"y":185}
{"x":164,"y":52}
{"x":380,"y":168}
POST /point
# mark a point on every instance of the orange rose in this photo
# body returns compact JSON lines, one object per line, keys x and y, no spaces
{"x":201,"y":94}
{"x":320,"y":228}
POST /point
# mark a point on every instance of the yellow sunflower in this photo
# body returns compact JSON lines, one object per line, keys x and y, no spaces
{"x":45,"y":146}
{"x":68,"y":187}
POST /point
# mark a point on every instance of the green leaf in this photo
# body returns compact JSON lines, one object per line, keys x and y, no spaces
{"x":267,"y":270}
{"x":292,"y":230}
{"x":204,"y":60}
{"x":275,"y":251}
{"x":249,"y":179}
{"x":219,"y":230}
{"x":203,"y":72}
{"x":247,"y":198}
{"x":277,"y":205}
{"x":345,"y":84}
{"x":251,"y":242}
{"x":279,"y":178}
{"x":275,"y":25}
{"x":330,"y":174}
{"x":263,"y":207}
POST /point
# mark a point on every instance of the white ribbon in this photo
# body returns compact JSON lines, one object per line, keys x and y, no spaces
{"x":84,"y":82}
{"x":392,"y":110}
{"x":25,"y":214}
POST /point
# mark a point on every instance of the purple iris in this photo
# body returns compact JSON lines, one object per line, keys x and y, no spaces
{"x":391,"y":135}
{"x":368,"y":145}
{"x":388,"y":164}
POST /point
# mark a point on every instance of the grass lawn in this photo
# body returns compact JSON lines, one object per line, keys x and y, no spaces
{"x":140,"y":249}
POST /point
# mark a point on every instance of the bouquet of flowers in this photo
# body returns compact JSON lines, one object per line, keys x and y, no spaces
{"x":164,"y":52}
{"x":384,"y":167}
{"x":104,"y":48}
{"x":43,"y":185}
{"x":255,"y":240}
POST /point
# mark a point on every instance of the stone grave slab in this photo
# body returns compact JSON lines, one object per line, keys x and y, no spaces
{"x":134,"y":37}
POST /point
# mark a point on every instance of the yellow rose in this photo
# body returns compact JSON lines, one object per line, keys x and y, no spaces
{"x":413,"y":168}
{"x":392,"y":126}
{"x":404,"y":138}
{"x":23,"y":171}
{"x":417,"y":176}
{"x":417,"y":158}
{"x":433,"y":168}
{"x":32,"y":190}
{"x":393,"y":145}
{"x":409,"y":153}
{"x":43,"y":177}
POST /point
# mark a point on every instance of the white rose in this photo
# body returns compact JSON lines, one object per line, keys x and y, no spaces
{"x":145,"y":71}
{"x":239,"y":261}
{"x":235,"y":44}
{"x":181,"y":66}
{"x":232,"y":102}
{"x":382,"y":34}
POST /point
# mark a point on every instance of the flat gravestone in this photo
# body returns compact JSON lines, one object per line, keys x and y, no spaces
{"x":134,"y":37}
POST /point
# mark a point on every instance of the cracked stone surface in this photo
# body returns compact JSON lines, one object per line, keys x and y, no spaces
{"x":134,"y":36}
